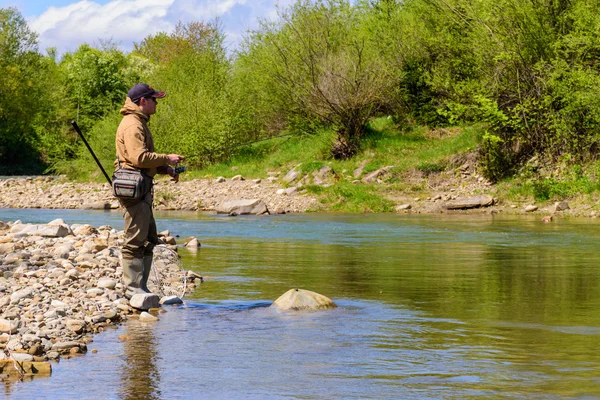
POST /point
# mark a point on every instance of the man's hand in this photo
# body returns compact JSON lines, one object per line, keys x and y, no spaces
{"x":172,"y":174}
{"x":174,"y":159}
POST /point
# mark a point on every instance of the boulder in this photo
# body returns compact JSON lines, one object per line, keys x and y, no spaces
{"x":192,"y":243}
{"x":41,"y":230}
{"x":531,"y":208}
{"x":292,"y":174}
{"x":169,"y":300}
{"x":97,"y":205}
{"x":373,"y":176}
{"x":325,"y":175}
{"x":484,"y":200}
{"x":243,"y":207}
{"x":560,"y":206}
{"x":145,"y":301}
{"x":300,"y":299}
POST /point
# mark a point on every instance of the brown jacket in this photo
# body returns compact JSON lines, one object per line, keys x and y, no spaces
{"x":134,"y":143}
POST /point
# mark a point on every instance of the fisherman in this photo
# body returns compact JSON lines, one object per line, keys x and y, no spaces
{"x":135,"y":150}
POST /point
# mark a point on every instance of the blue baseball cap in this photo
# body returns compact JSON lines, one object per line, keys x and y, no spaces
{"x":142,"y":90}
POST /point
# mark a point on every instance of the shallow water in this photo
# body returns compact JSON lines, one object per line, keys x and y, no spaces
{"x":429,"y":307}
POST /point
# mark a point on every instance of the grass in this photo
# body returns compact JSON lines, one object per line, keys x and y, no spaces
{"x":385,"y":144}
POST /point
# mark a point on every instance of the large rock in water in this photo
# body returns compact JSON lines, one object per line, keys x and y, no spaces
{"x":300,"y":299}
{"x":484,"y":200}
{"x":243,"y":207}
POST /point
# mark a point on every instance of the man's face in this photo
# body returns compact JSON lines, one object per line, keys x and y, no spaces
{"x":148,"y":105}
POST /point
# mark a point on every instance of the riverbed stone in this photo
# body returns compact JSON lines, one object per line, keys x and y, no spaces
{"x":484,"y":200}
{"x":192,"y":243}
{"x":375,"y":175}
{"x":40,"y":230}
{"x":301,"y":299}
{"x":144,"y":301}
{"x":9,"y":326}
{"x":21,"y":357}
{"x":97,"y":205}
{"x":170,"y":300}
{"x":531,"y":208}
{"x":107,"y":283}
{"x":147,"y":317}
{"x":560,"y":206}
{"x":243,"y":207}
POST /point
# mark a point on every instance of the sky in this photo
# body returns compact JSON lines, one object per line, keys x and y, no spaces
{"x":65,"y":24}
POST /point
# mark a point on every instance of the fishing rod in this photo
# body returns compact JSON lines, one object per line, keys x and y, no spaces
{"x":76,"y":127}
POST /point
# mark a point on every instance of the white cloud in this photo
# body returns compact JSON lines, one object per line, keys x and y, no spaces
{"x":128,"y":21}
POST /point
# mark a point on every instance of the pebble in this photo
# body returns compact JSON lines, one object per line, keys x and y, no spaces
{"x":58,"y":291}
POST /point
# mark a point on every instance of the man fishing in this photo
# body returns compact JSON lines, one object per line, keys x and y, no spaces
{"x":135,"y":151}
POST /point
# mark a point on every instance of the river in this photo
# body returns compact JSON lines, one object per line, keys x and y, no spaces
{"x":430,"y":306}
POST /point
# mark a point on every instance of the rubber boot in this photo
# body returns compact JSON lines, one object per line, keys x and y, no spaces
{"x":146,"y":273}
{"x":132,"y":276}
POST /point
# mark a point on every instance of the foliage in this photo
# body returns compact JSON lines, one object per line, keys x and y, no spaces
{"x":21,"y":75}
{"x":316,"y":63}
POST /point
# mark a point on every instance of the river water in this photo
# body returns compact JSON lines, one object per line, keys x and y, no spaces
{"x":430,"y":306}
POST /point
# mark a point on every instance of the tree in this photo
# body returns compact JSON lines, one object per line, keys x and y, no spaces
{"x":20,"y":97}
{"x":316,"y":63}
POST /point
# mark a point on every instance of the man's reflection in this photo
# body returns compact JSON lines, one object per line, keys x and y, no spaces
{"x":140,"y":377}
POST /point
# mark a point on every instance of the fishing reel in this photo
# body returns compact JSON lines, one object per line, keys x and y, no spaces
{"x":179,"y":170}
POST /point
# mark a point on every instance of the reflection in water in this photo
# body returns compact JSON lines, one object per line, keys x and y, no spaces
{"x":140,"y":377}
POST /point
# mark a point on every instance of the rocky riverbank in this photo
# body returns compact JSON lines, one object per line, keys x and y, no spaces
{"x":60,"y":284}
{"x":449,"y":192}
{"x":192,"y":195}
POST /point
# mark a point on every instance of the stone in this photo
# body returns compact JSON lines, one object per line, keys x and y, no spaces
{"x":192,"y":243}
{"x":403,"y":207}
{"x":484,"y":200}
{"x":243,"y":207}
{"x":300,"y":299}
{"x":238,"y":178}
{"x":75,"y":325}
{"x":560,"y":206}
{"x":220,"y":180}
{"x":96,"y":205}
{"x":21,"y":294}
{"x":292,"y":175}
{"x":373,"y":176}
{"x":59,"y":304}
{"x":169,"y":300}
{"x":170,"y":240}
{"x":84,"y":230}
{"x":147,"y":317}
{"x":41,"y":230}
{"x":66,"y":346}
{"x":21,"y":357}
{"x":7,"y":248}
{"x":107,"y":283}
{"x":144,"y":301}
{"x":9,"y":326}
{"x":531,"y":208}
{"x":57,"y":221}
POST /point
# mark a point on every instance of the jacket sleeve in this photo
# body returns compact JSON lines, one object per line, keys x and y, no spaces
{"x":137,"y":152}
